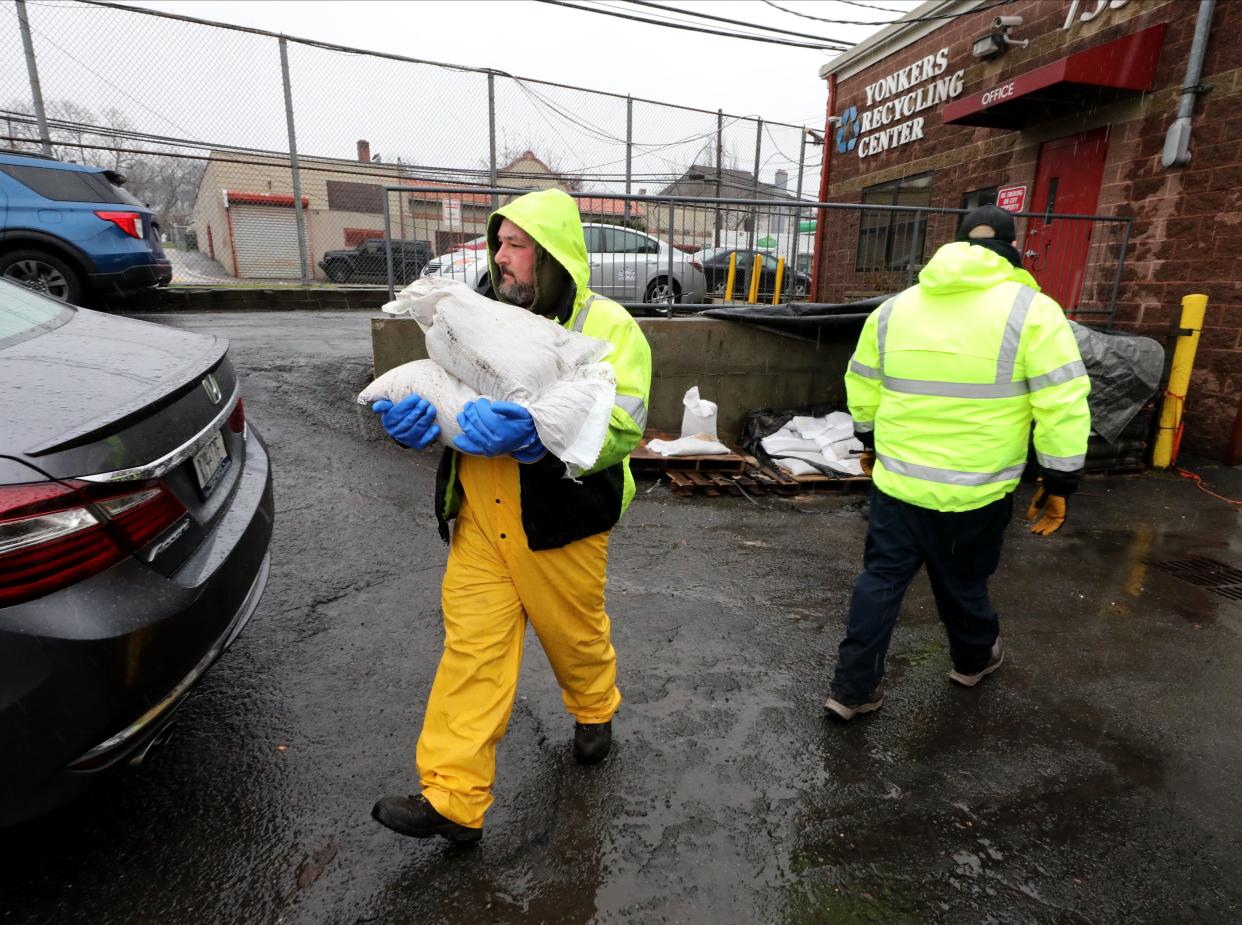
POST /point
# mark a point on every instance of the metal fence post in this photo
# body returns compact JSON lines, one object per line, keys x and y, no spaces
{"x":671,"y":294}
{"x":299,"y":215}
{"x":719,"y":158}
{"x":797,"y":212}
{"x":392,"y":290}
{"x":491,"y":137}
{"x":910,"y":259}
{"x":1121,"y":265}
{"x":629,"y":152}
{"x":32,"y":71}
{"x":754,"y":212}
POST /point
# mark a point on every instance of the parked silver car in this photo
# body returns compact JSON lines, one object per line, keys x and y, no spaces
{"x":626,"y":265}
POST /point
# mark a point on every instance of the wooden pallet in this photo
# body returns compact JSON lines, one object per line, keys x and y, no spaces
{"x":644,"y":461}
{"x":758,"y":480}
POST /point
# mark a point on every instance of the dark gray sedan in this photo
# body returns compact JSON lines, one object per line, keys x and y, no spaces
{"x":135,"y":518}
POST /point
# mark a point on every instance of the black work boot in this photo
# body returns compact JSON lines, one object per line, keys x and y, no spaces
{"x":592,"y":742}
{"x":416,"y":817}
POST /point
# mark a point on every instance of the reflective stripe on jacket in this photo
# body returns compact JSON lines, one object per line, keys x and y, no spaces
{"x":950,"y":374}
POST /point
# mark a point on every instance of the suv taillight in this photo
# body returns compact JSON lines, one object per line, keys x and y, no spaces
{"x":696,"y":263}
{"x":128,"y":222}
{"x":55,"y":534}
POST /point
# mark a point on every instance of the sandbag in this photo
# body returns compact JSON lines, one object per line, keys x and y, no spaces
{"x":505,"y":353}
{"x":698,"y":418}
{"x":497,"y":348}
{"x":425,"y":379}
{"x":688,"y":446}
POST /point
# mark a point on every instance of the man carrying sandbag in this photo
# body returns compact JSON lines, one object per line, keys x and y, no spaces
{"x":530,"y":541}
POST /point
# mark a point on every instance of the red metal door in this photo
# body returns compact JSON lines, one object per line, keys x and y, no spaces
{"x":1067,"y":181}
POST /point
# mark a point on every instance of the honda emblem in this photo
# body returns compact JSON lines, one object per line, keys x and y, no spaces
{"x":212,"y":388}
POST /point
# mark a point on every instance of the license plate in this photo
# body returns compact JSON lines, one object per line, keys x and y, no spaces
{"x":210,"y":463}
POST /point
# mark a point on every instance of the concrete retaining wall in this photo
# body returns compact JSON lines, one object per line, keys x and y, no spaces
{"x":231,"y":299}
{"x":736,"y":365}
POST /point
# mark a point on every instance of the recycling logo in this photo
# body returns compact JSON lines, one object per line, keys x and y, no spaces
{"x":849,"y":130}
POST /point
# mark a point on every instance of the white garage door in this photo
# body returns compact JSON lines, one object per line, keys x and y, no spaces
{"x":265,"y":239}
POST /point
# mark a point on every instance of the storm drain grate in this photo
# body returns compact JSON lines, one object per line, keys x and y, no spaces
{"x":1216,"y":577}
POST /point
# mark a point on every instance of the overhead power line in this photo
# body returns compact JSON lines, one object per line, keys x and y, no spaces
{"x":350,"y":50}
{"x":738,"y":22}
{"x":878,"y":9}
{"x":991,"y":5}
{"x":699,"y":29}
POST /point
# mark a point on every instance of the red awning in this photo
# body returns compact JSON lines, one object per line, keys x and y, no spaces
{"x":240,"y":197}
{"x":1086,"y":78}
{"x":599,"y":205}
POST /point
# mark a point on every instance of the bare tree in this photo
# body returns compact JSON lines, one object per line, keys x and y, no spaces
{"x":509,"y":153}
{"x":106,"y":139}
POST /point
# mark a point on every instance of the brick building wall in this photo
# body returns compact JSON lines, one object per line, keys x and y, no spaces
{"x":1187,"y":221}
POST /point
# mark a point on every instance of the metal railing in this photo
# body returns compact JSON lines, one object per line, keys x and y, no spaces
{"x":660,"y":252}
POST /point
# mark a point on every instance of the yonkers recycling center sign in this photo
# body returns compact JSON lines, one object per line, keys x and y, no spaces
{"x":895,"y":99}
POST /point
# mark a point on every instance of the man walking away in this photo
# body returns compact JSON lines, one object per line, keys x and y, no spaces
{"x":944,"y":385}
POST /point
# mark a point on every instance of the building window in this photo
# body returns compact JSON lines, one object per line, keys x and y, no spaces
{"x":345,"y":196}
{"x":976,"y":198}
{"x":887,"y":239}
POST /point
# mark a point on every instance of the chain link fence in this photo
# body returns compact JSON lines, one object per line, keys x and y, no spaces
{"x":266,"y":157}
{"x":648,"y":252}
{"x":659,"y":252}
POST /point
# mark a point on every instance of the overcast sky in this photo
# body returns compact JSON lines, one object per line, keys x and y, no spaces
{"x":224,"y":87}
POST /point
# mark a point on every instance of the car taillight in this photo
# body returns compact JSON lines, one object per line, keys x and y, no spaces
{"x":697,"y":264}
{"x":55,"y":534}
{"x":237,"y":420}
{"x":128,"y":222}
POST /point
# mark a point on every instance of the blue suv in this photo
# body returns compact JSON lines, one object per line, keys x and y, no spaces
{"x":74,"y":232}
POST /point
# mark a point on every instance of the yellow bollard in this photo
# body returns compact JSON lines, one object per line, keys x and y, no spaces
{"x":753,"y":296}
{"x":780,"y":278}
{"x":732,"y":276}
{"x":1168,"y":438}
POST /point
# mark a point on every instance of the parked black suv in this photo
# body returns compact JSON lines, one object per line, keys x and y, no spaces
{"x":367,"y":262}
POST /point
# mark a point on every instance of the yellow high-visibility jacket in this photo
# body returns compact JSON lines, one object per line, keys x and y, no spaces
{"x":557,"y":510}
{"x":948,"y":376}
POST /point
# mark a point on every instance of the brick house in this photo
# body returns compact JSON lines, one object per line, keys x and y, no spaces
{"x":952,"y":113}
{"x":449,"y":218}
{"x":704,"y":225}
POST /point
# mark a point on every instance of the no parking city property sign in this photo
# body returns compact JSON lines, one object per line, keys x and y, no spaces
{"x":1011,"y":198}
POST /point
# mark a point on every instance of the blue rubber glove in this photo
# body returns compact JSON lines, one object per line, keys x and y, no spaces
{"x":494,"y":428}
{"x":411,"y":422}
{"x":530,"y":454}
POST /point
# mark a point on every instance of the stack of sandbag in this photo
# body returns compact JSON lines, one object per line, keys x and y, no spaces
{"x":807,"y":445}
{"x":479,"y":347}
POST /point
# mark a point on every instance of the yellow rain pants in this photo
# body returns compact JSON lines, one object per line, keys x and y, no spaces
{"x":492,"y":584}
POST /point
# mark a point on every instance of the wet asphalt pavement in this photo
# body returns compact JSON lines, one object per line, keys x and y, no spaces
{"x":1094,"y":778}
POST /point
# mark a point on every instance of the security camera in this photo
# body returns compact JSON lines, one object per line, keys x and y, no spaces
{"x":1006,"y":22}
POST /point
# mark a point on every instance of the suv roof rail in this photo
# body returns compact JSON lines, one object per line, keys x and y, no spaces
{"x":40,"y":155}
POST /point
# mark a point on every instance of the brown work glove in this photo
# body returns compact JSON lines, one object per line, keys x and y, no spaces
{"x":867,"y":460}
{"x":1052,"y":508}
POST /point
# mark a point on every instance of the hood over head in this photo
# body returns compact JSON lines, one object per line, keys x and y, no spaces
{"x":551,"y":219}
{"x":966,"y":267}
